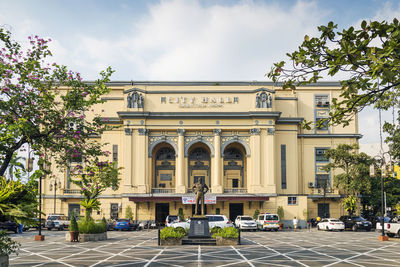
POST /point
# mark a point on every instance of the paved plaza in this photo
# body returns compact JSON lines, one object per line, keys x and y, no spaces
{"x":139,"y":248}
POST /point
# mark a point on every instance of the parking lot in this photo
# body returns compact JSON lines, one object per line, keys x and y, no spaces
{"x":139,"y":248}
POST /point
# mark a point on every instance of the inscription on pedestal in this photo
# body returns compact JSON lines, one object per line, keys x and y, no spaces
{"x":199,"y":228}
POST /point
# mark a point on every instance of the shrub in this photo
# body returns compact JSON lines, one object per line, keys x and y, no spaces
{"x":170,"y":232}
{"x":73,"y":225}
{"x":256,"y":213}
{"x":7,"y":245}
{"x":182,"y":230}
{"x":215,"y":230}
{"x":91,"y":227}
{"x":128,"y":212}
{"x":228,"y":232}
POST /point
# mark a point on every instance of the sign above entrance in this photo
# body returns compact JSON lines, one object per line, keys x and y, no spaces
{"x":207,"y":200}
{"x":199,"y":102}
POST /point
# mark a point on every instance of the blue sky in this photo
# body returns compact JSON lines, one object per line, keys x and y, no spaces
{"x":185,"y":39}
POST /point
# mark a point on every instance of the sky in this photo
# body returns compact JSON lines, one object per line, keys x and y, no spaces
{"x":182,"y":40}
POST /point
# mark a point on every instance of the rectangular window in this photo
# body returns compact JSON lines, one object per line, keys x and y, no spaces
{"x":322,"y":101}
{"x":320,"y":155}
{"x":322,"y":181}
{"x":115,"y":153}
{"x":292,"y":200}
{"x":283,"y":167}
{"x":235,"y":183}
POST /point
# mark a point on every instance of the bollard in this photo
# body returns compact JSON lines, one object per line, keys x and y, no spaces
{"x":159,"y":241}
{"x":239,"y":237}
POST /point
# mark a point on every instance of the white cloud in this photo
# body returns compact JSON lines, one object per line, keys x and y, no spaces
{"x":183,"y":40}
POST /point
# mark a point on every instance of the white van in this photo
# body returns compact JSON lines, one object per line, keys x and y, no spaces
{"x":268,"y":221}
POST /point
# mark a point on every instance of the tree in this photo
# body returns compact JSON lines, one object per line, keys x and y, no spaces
{"x":128,"y":212}
{"x":33,"y":111}
{"x":354,"y":177}
{"x":350,"y":204}
{"x":15,"y":166}
{"x":93,"y":179}
{"x":368,"y":56}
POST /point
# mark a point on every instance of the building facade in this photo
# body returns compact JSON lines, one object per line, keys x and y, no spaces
{"x":243,"y":139}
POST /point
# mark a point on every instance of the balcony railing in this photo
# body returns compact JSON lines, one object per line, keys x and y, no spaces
{"x":163,"y":190}
{"x":235,"y":190}
{"x":72,"y":191}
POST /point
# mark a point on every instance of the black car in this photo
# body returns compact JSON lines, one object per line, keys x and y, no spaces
{"x":356,"y":223}
{"x":9,"y":226}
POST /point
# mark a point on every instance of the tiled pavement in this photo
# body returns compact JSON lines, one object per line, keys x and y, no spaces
{"x":302,"y":248}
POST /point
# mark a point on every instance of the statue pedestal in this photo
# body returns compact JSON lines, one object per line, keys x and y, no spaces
{"x":199,"y":227}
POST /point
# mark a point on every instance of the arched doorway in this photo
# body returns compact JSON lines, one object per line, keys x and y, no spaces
{"x":234,"y":169}
{"x":199,"y":164}
{"x":164,"y":169}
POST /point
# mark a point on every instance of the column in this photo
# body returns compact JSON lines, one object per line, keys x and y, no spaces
{"x":180,"y":163}
{"x":255,"y":142}
{"x":216,"y":180}
{"x":141,"y":153}
{"x":271,"y":183}
{"x":127,"y":148}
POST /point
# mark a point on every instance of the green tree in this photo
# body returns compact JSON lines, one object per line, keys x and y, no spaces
{"x":128,"y":212}
{"x":350,"y":204}
{"x":354,"y":177}
{"x":33,"y":111}
{"x":368,"y":56}
{"x":93,"y":179}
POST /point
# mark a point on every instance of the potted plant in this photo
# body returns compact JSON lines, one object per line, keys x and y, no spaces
{"x":281,"y":214}
{"x":73,"y":229}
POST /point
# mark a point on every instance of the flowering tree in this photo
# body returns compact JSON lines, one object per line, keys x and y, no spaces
{"x":34,"y":111}
{"x":93,"y":179}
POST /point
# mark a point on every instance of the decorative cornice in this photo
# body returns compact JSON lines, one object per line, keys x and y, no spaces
{"x":289,"y":120}
{"x":217,"y":131}
{"x":200,"y":115}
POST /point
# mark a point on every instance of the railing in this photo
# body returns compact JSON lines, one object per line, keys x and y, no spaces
{"x":235,"y":190}
{"x":163,"y":190}
{"x":71,"y":191}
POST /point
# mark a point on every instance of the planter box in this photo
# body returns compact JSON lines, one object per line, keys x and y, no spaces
{"x":68,"y":237}
{"x":87,"y":237}
{"x":221,"y":241}
{"x":171,"y":242}
{"x":39,"y":237}
{"x":3,"y":260}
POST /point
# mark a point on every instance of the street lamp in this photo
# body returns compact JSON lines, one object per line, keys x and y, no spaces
{"x":44,"y":168}
{"x":384,"y":171}
{"x":56,"y":185}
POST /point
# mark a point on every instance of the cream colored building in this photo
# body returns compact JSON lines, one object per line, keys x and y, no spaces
{"x":242,"y":138}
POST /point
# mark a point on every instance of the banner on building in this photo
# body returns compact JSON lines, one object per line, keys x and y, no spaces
{"x":192,"y":200}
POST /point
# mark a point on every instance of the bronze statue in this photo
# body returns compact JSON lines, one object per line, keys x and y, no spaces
{"x":200,"y":190}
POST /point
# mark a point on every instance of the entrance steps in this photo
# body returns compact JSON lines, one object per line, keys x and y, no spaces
{"x":199,"y":241}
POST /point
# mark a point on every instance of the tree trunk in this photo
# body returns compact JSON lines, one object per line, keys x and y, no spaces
{"x":88,"y":213}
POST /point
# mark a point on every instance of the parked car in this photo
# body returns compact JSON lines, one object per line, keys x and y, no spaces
{"x":245,"y":223}
{"x":125,"y":224}
{"x":181,"y":224}
{"x":57,"y":221}
{"x":171,"y":219}
{"x":392,"y":228}
{"x":9,"y":226}
{"x":378,"y":225}
{"x":330,"y":224}
{"x":356,"y":223}
{"x":219,"y":221}
{"x":268,"y":221}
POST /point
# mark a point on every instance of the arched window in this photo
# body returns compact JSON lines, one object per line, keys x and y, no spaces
{"x":199,"y":154}
{"x":165,"y":153}
{"x":233,"y":153}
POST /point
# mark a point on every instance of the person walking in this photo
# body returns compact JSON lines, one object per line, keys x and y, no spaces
{"x":295,"y":222}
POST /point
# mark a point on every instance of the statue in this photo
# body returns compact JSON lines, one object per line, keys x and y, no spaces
{"x":135,"y":99}
{"x":141,"y":101}
{"x":200,"y":190}
{"x":269,"y":101}
{"x":257,"y":101}
{"x":129,"y":100}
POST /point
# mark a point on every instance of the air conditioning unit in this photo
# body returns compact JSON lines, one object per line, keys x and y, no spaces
{"x":311,"y":185}
{"x":72,"y":126}
{"x":326,"y":104}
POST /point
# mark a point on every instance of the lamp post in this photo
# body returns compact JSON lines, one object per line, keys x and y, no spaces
{"x":55,"y":186}
{"x":44,"y":169}
{"x":384,"y":168}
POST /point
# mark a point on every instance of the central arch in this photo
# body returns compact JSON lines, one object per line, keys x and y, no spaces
{"x":164,"y":168}
{"x":199,"y":164}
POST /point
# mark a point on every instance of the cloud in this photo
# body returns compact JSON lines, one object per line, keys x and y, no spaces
{"x":184,"y":40}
